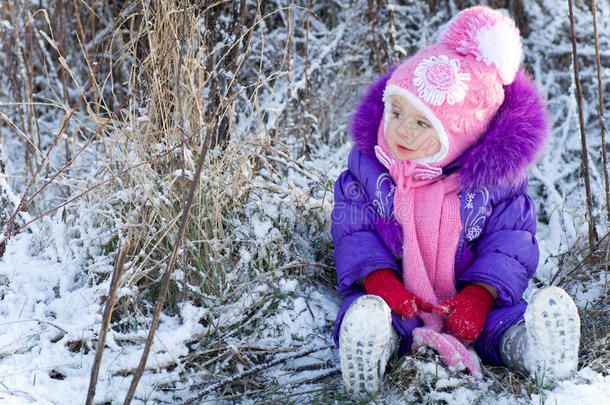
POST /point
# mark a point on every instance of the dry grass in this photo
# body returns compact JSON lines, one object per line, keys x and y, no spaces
{"x":579,"y":265}
{"x":138,"y":86}
{"x":192,"y":98}
{"x":595,"y":338}
{"x":142,"y":94}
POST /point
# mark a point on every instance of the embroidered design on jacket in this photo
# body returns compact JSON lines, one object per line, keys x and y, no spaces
{"x":438,"y":79}
{"x":383,"y":204}
{"x":475,"y":219}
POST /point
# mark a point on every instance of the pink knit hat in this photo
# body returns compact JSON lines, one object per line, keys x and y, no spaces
{"x":457,"y":83}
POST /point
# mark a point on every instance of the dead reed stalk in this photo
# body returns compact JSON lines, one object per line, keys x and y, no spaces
{"x":602,"y":120}
{"x":583,"y":138}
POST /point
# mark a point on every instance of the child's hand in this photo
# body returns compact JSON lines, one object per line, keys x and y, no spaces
{"x":467,"y":311}
{"x":384,"y":284}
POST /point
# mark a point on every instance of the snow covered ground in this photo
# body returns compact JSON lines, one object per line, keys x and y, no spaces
{"x":279,"y":302}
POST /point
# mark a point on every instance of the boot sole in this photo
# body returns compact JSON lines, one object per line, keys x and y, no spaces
{"x":364,"y":338}
{"x":553,"y":333}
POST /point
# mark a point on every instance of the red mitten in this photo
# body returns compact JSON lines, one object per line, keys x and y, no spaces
{"x":467,"y":311}
{"x":385,"y":284}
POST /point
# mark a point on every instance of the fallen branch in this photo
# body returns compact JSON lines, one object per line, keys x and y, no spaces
{"x":253,"y":370}
{"x":101,"y":342}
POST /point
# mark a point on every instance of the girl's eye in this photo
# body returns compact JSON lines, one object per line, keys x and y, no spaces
{"x":395,"y":114}
{"x":423,"y":124}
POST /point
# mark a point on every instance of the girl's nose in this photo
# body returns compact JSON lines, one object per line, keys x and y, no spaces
{"x":404,"y":131}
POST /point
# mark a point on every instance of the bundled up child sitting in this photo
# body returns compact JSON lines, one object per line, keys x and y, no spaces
{"x":433,"y":228}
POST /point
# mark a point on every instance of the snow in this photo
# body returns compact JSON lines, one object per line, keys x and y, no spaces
{"x":587,"y":388}
{"x":54,"y":276}
{"x":44,"y":307}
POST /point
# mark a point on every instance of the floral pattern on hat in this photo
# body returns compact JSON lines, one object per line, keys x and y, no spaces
{"x":438,"y":79}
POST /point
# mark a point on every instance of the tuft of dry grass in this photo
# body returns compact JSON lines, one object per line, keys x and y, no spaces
{"x":595,"y":335}
{"x":142,"y":85}
{"x":580,"y":265}
{"x":139,"y":86}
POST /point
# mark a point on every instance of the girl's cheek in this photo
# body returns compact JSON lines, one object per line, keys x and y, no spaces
{"x":391,"y":132}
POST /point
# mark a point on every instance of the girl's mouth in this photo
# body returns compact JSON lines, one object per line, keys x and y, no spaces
{"x":403,"y":149}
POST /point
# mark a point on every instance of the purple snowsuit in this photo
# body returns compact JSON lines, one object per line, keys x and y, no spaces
{"x":497,"y":245}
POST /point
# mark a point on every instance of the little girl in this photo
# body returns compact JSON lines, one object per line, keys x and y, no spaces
{"x":433,"y":228}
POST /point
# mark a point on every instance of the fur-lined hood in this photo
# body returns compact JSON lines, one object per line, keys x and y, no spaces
{"x":513,"y":141}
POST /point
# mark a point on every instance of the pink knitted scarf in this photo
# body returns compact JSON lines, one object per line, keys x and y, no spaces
{"x":427,"y":207}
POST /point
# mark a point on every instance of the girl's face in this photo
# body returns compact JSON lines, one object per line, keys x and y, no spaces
{"x":409,"y":134}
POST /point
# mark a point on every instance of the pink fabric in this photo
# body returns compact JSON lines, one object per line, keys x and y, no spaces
{"x":427,"y":207}
{"x":452,"y":351}
{"x":429,"y":213}
{"x":471,"y":30}
{"x":457,"y":83}
{"x":456,"y":93}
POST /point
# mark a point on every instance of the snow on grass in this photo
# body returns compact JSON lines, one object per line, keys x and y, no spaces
{"x":49,"y":320}
{"x":279,"y":295}
{"x":587,"y":388}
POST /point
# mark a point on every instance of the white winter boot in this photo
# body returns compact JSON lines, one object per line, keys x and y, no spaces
{"x":366,"y":342}
{"x":546,"y":344}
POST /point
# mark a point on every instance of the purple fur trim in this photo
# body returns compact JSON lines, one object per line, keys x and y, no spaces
{"x":391,"y":233}
{"x":514,"y":139}
{"x":367,"y":115}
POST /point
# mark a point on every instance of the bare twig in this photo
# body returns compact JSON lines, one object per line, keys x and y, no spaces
{"x":62,"y":330}
{"x":96,"y":186}
{"x":583,"y":139}
{"x":602,"y":121}
{"x":24,"y":200}
{"x":373,"y":18}
{"x":170,"y":267}
{"x":578,"y":266}
{"x":305,"y":145}
{"x":13,"y":81}
{"x":92,"y":72}
{"x":109,"y":307}
{"x":30,"y":69}
{"x":180,"y":41}
{"x":306,"y":55}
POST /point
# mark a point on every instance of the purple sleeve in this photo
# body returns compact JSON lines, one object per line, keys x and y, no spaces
{"x":506,"y":255}
{"x":359,"y":250}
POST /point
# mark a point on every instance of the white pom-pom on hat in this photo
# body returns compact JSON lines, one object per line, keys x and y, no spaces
{"x":488,"y":35}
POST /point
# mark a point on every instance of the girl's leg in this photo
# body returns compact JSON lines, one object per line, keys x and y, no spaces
{"x":366,"y":342}
{"x":403,"y":326}
{"x":514,"y":346}
{"x":546,"y":343}
{"x":499,"y":320}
